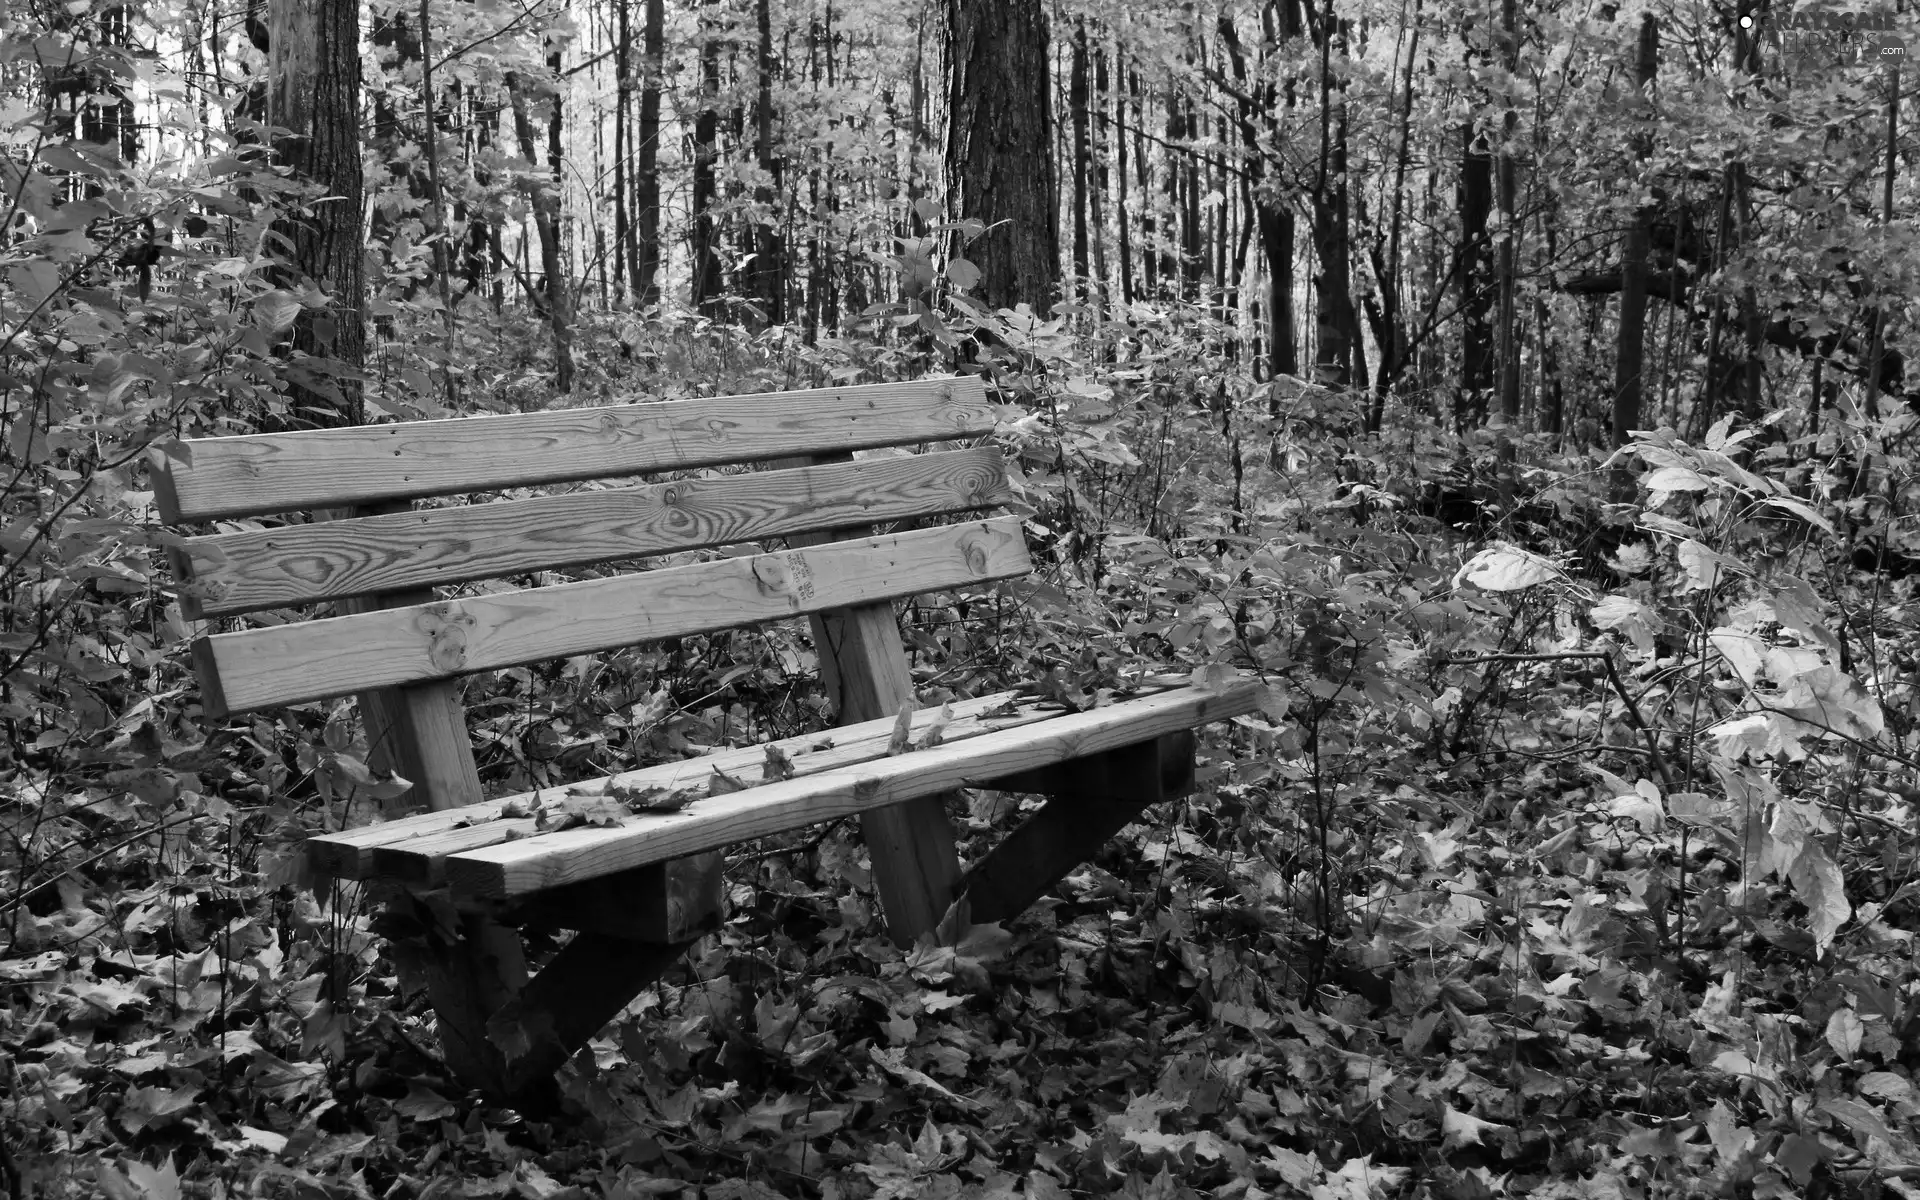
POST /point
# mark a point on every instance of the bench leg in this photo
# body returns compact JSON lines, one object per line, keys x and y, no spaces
{"x":1091,"y":800}
{"x":631,"y":928}
{"x":916,"y":869}
{"x":468,"y":981}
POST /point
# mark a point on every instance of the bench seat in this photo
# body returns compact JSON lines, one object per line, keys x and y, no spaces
{"x":481,"y":854}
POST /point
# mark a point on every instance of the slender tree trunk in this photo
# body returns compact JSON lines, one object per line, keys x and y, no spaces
{"x":1630,"y":356}
{"x":1078,"y":104}
{"x":1477,"y":285}
{"x":1510,"y":230}
{"x":999,"y":147}
{"x":1101,"y":179}
{"x":558,"y":290}
{"x":1335,"y":335}
{"x":314,"y":69}
{"x":646,"y":242}
{"x":769,"y":246}
{"x":706,"y":154}
{"x":623,"y":89}
{"x":1121,"y":215}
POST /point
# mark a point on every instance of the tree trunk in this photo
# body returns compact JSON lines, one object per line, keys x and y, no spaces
{"x":1477,"y":285}
{"x":1630,"y":355}
{"x":1120,"y":214}
{"x":1509,"y":254}
{"x":314,"y":68}
{"x":769,"y":263}
{"x":623,"y":249}
{"x":706,"y":153}
{"x":1335,"y":336}
{"x":1077,"y":103}
{"x":558,"y":291}
{"x":999,"y":147}
{"x":646,"y":200}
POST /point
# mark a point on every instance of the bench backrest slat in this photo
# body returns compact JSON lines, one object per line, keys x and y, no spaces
{"x":313,"y":660}
{"x":324,"y":468}
{"x":297,"y":564}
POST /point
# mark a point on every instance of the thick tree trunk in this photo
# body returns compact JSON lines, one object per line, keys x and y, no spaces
{"x":314,"y":91}
{"x":1000,"y":147}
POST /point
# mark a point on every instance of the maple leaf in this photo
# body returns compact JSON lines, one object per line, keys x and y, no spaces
{"x":1462,"y":1129}
{"x":571,"y":811}
{"x":652,"y":798}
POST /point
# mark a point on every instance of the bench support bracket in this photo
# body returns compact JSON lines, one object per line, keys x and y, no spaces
{"x":1091,"y":800}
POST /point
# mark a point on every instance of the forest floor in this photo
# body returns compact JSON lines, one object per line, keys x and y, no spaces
{"x":1433,"y":925}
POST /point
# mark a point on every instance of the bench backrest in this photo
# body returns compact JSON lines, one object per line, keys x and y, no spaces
{"x":396,"y":553}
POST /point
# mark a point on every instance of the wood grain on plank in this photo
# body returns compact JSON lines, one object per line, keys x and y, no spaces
{"x":549,"y":860}
{"x":314,"y":660}
{"x":250,"y":474}
{"x":413,"y":849}
{"x":241,"y":572}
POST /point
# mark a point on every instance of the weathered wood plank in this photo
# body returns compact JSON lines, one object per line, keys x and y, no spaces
{"x":548,"y":860}
{"x":1093,"y":799}
{"x":287,"y":664}
{"x":241,"y":572}
{"x":321,"y":468}
{"x":413,"y":850}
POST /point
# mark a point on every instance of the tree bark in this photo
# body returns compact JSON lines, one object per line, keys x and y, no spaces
{"x":999,"y":147}
{"x":314,"y":91}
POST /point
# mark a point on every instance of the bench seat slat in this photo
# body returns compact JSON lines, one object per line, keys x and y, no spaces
{"x":241,"y":572}
{"x":314,"y":660}
{"x":413,"y":849}
{"x":251,"y":474}
{"x":533,"y":864}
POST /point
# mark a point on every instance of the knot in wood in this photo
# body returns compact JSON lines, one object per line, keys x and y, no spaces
{"x":445,"y":625}
{"x":770,"y":573}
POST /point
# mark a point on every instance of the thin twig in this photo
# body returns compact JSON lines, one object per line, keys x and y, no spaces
{"x":1613,"y":678}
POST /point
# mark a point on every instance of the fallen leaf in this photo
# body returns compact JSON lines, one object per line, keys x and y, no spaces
{"x":937,"y":728}
{"x":778,"y":765}
{"x":902,"y":739}
{"x":654,"y":798}
{"x":1462,"y":1129}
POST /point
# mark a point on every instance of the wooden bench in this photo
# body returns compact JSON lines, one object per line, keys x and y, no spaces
{"x":644,"y":882}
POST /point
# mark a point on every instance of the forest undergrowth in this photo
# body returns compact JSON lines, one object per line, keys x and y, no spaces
{"x":1573,"y":854}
